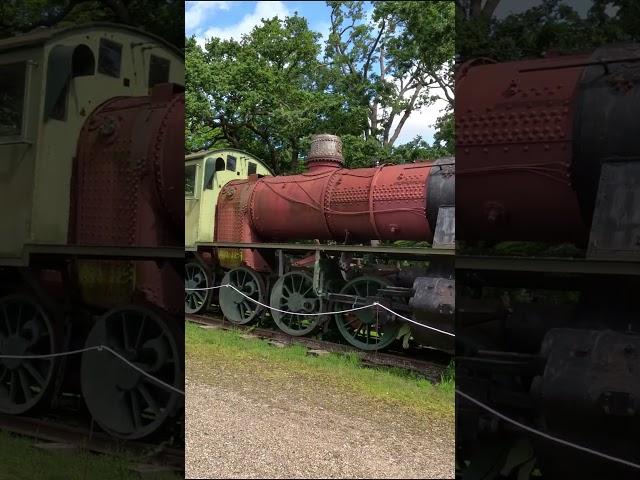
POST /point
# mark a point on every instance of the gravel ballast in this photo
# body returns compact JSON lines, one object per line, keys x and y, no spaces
{"x":253,"y":429}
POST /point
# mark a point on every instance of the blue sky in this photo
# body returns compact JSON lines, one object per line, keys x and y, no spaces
{"x":232,"y":19}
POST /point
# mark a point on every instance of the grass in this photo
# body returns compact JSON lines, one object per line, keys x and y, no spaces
{"x":224,"y":351}
{"x":20,"y":460}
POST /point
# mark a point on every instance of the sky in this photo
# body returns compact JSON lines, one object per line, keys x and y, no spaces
{"x":232,"y":19}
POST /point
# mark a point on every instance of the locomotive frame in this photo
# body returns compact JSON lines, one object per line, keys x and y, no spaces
{"x":547,"y":155}
{"x":275,"y":273}
{"x":73,"y":90}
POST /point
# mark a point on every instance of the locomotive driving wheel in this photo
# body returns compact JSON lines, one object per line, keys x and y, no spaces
{"x":366,"y":329}
{"x":195,"y":277}
{"x":293,"y":292}
{"x":26,"y":330}
{"x":238,"y":307}
{"x":123,"y":401}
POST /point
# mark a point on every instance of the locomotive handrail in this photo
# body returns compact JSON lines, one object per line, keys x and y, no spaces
{"x":353,"y":309}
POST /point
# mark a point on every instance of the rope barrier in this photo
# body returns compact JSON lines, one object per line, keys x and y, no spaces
{"x":99,"y":348}
{"x":372,"y":305}
{"x":546,"y":435}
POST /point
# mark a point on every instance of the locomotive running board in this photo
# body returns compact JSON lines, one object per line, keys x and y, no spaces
{"x":98,"y":252}
{"x":420,"y":252}
{"x":547,"y":265}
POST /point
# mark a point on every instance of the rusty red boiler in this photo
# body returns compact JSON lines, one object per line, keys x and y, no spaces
{"x":127,"y":190}
{"x":330,"y":202}
{"x":531,"y":139}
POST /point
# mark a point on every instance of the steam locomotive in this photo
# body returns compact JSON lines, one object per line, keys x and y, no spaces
{"x":547,"y":152}
{"x":91,"y":252}
{"x":259,"y":218}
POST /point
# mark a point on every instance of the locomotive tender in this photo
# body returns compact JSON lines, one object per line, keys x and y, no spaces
{"x":91,"y":142}
{"x":548,"y":151}
{"x":348,"y":207}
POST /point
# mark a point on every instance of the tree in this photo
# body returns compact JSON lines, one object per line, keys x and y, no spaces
{"x":266,"y":93}
{"x":269,"y":91}
{"x":164,"y":18}
{"x":551,"y":26}
{"x":392,"y":60}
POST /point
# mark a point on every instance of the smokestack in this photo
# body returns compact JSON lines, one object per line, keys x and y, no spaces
{"x":325,"y":152}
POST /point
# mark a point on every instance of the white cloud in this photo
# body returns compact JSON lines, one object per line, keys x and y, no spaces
{"x":263,"y":9}
{"x":196,"y":12}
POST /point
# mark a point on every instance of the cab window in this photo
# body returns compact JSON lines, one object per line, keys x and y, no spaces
{"x":190,"y":180}
{"x":12,"y":85}
{"x":209,"y":174}
{"x":158,"y":70}
{"x":251,"y":170}
{"x":83,"y":63}
{"x":231,"y":163}
{"x":110,"y":58}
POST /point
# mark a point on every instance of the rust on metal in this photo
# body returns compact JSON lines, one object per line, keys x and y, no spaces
{"x":127,"y":186}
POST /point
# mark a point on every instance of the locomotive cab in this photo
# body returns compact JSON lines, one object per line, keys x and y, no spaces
{"x":51,"y":80}
{"x":205,"y":175}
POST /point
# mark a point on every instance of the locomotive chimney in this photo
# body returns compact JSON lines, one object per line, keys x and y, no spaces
{"x":325,"y":153}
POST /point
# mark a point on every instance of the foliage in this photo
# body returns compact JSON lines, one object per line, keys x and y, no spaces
{"x":390,"y":59}
{"x":269,"y":91}
{"x":164,"y":18}
{"x":550,"y":27}
{"x":266,"y":92}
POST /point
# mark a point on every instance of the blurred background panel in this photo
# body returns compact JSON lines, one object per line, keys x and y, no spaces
{"x":547,"y":259}
{"x":91,"y":222}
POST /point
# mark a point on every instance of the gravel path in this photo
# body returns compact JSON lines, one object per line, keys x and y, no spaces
{"x":251,"y":432}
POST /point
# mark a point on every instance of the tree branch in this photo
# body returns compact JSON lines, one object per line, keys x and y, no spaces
{"x":367,"y":63}
{"x":445,"y":88}
{"x":405,"y":116}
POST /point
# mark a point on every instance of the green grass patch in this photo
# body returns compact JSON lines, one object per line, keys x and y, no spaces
{"x":225,"y":352}
{"x":20,"y":460}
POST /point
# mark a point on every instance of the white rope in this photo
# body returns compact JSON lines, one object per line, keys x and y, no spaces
{"x":99,"y":348}
{"x":546,"y":435}
{"x":413,"y":321}
{"x":353,"y":309}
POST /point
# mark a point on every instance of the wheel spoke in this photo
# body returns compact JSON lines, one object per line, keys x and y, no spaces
{"x":24,"y":384}
{"x":125,"y":333}
{"x":135,"y":409}
{"x":28,"y":366}
{"x":6,"y":320}
{"x":13,"y":385}
{"x":148,"y":398}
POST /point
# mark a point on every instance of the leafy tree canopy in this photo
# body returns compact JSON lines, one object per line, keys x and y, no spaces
{"x":269,"y":91}
{"x":164,"y":18}
{"x":553,"y":26}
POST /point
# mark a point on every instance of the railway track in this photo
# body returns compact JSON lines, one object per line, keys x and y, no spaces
{"x":61,"y":434}
{"x":432,"y":368}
